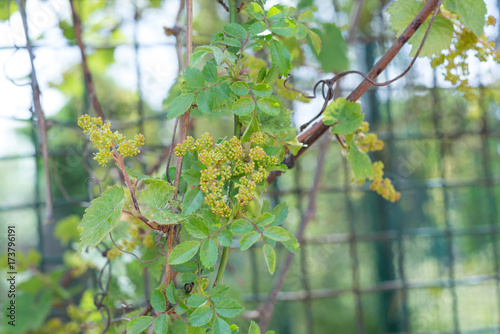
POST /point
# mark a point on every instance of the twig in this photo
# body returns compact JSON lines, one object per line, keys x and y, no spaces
{"x":40,"y":114}
{"x":86,"y":72}
{"x":314,"y":132}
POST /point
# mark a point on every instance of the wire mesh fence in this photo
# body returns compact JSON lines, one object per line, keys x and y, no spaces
{"x":427,"y":264}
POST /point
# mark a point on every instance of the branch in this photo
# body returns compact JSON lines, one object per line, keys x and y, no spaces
{"x":40,"y":114}
{"x":310,"y":135}
{"x":86,"y":72}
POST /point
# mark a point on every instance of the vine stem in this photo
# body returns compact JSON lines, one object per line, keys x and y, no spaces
{"x":237,"y":130}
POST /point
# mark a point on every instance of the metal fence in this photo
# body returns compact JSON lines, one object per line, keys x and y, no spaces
{"x":427,"y":264}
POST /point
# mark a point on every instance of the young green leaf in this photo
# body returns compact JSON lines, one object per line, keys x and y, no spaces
{"x":161,"y":324}
{"x":254,"y":328}
{"x":270,"y":256}
{"x":201,"y":316}
{"x":196,"y":227}
{"x":197,"y":56}
{"x":191,"y":176}
{"x":272,"y":75}
{"x":235,"y":30}
{"x":210,"y":72}
{"x":315,"y":40}
{"x":277,"y":233}
{"x":158,"y":301}
{"x":257,"y":28}
{"x":139,"y":324}
{"x":280,"y":212}
{"x":285,"y":27}
{"x":101,"y":217}
{"x":240,"y":88}
{"x":186,"y":267}
{"x":196,"y":300}
{"x":276,"y":13}
{"x":184,"y":252}
{"x":262,"y":89}
{"x":306,"y":16}
{"x":262,"y":73}
{"x":220,"y":326}
{"x":171,"y":293}
{"x":205,"y":100}
{"x":255,"y":11}
{"x":228,"y":308}
{"x":192,"y":201}
{"x":265,"y":219}
{"x":180,"y":105}
{"x":344,"y":116}
{"x":269,"y":105}
{"x":225,"y":238}
{"x":229,"y":41}
{"x":280,"y":57}
{"x":154,"y":198}
{"x":249,"y":239}
{"x":291,"y":244}
{"x":241,"y":226}
{"x":471,"y":12}
{"x":208,"y":253}
{"x":194,"y":78}
{"x":360,"y":162}
{"x":218,"y":293}
{"x":243,"y":106}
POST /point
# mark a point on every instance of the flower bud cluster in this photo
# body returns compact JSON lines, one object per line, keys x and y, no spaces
{"x":229,"y":159}
{"x":368,"y":142}
{"x":105,"y":140}
{"x":383,"y":186}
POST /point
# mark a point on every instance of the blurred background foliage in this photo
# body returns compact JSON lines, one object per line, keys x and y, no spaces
{"x":429,"y":263}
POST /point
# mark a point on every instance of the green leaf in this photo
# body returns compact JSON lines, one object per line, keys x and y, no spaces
{"x":306,"y":16}
{"x":280,"y":212}
{"x":257,"y":28}
{"x":205,"y":100}
{"x":161,"y":324}
{"x":180,"y":105}
{"x":272,"y":75}
{"x":333,"y":54}
{"x":201,"y":316}
{"x":194,"y":78}
{"x":280,"y":57}
{"x":360,"y":162}
{"x":262,"y":89}
{"x":276,"y":13}
{"x":241,"y":226}
{"x":251,"y":128}
{"x":285,"y":27}
{"x":344,"y":116}
{"x":269,"y":105}
{"x":265,"y":219}
{"x":196,"y":227}
{"x":236,"y":30}
{"x":471,"y":12}
{"x":218,"y":293}
{"x":192,"y":201}
{"x":255,"y":11}
{"x":225,"y":238}
{"x":291,"y":244}
{"x":254,"y":328}
{"x":196,"y":300}
{"x":243,"y":106}
{"x":208,"y":253}
{"x":101,"y":217}
{"x":218,"y":55}
{"x":262,"y":74}
{"x":220,"y":326}
{"x":277,"y":233}
{"x":197,"y":56}
{"x":191,"y":176}
{"x":158,"y":301}
{"x":270,"y":256}
{"x":139,"y":324}
{"x":315,"y":40}
{"x":210,"y":72}
{"x":249,"y":239}
{"x":228,"y":308}
{"x":184,"y":252}
{"x":171,"y":293}
{"x":240,"y":88}
{"x":186,"y":267}
{"x":156,"y":199}
{"x":195,"y":330}
{"x":229,"y":41}
{"x":402,"y":13}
